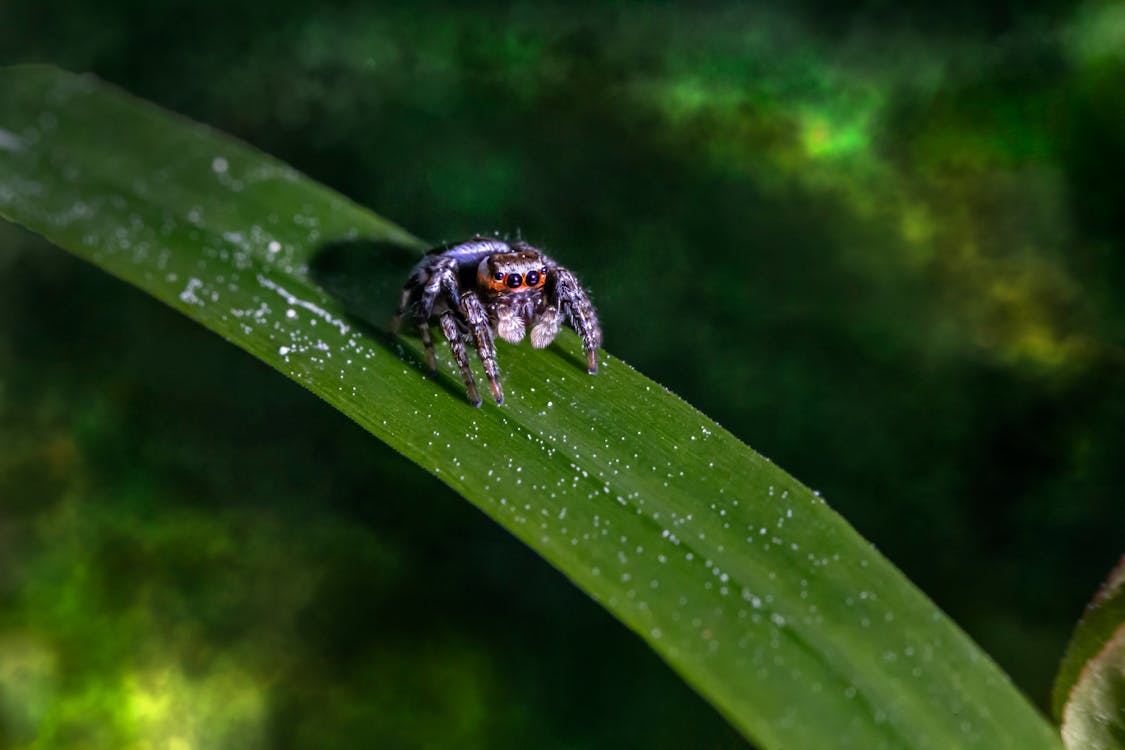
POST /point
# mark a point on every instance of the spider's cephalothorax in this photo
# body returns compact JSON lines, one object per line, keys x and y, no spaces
{"x":487,"y":286}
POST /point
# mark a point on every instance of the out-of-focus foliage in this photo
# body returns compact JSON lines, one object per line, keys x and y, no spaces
{"x":888,"y":253}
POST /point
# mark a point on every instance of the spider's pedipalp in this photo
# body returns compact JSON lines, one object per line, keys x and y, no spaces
{"x":509,"y":325}
{"x":457,"y":344}
{"x":546,"y":327}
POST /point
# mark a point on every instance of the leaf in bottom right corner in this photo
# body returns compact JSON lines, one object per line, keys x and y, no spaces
{"x":1089,"y":696}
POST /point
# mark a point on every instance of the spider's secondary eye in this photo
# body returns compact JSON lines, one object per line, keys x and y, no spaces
{"x":532,"y":278}
{"x":498,"y":276}
{"x":514,"y":280}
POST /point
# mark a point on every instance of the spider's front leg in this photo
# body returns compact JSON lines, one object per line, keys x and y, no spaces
{"x":571,"y":298}
{"x":452,"y":334}
{"x":477,"y":318}
{"x":474,"y":316}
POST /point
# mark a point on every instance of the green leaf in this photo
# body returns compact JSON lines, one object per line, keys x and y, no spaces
{"x":1089,"y":694}
{"x":756,"y":592}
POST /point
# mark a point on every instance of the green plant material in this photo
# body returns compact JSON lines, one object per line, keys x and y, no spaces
{"x":763,"y":599}
{"x":1089,"y":694}
{"x":1094,"y":717}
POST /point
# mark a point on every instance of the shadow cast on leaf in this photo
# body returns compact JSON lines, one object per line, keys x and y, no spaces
{"x":366,"y":276}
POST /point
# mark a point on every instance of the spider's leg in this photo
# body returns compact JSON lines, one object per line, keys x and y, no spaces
{"x":442,"y":278}
{"x":457,"y":344}
{"x":432,"y":277}
{"x":414,"y":292}
{"x":477,"y":318}
{"x":571,"y":298}
{"x":409,"y":291}
{"x":424,"y":332}
{"x":444,"y":282}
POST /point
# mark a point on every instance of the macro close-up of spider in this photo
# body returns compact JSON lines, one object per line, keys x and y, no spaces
{"x":483,"y":287}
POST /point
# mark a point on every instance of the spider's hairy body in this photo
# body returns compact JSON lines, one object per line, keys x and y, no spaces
{"x":486,"y":287}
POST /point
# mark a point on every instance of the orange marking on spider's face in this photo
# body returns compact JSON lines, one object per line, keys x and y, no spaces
{"x":494,"y":282}
{"x":513,"y":272}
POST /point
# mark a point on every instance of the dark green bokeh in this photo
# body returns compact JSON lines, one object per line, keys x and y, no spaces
{"x":885,"y":252}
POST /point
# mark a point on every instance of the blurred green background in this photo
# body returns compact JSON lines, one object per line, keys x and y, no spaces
{"x":882,"y":243}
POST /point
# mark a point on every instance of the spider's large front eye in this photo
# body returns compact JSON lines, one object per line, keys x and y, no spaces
{"x":514,"y":280}
{"x":532,"y":278}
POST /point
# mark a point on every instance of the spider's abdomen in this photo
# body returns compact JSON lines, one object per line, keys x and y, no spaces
{"x":470,"y":252}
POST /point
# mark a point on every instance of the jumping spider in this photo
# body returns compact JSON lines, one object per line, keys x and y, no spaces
{"x":484,"y":286}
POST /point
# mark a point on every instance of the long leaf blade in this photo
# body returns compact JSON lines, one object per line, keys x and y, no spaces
{"x":761,"y":597}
